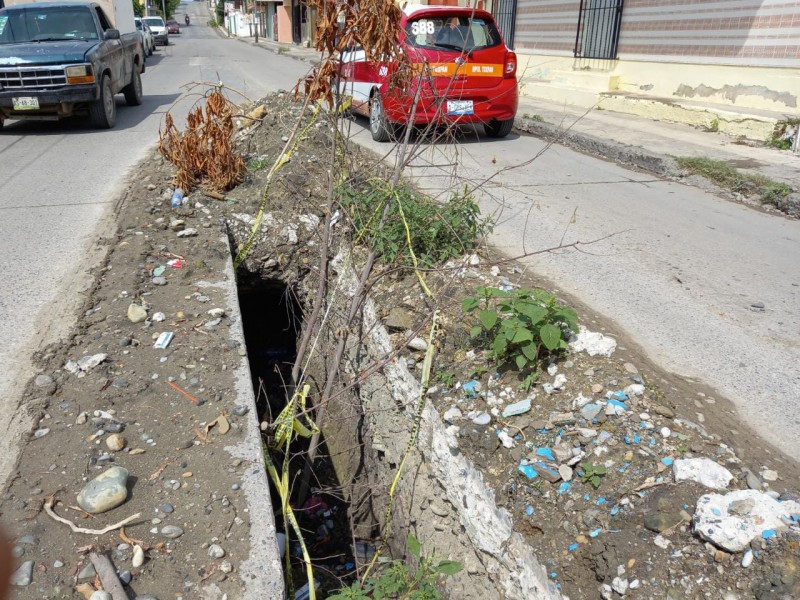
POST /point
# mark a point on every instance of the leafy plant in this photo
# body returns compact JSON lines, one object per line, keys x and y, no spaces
{"x":713,"y":125}
{"x":395,"y":579}
{"x":779,"y":144}
{"x":775,"y":192}
{"x":448,"y":378}
{"x":437,"y":232}
{"x":520,"y":326}
{"x":590,"y":473}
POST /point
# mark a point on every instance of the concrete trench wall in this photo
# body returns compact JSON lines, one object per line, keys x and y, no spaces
{"x":442,"y":498}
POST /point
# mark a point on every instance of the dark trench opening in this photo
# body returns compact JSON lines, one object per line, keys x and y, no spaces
{"x":272,"y":319}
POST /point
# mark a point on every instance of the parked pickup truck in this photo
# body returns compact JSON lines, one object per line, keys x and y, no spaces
{"x":59,"y":59}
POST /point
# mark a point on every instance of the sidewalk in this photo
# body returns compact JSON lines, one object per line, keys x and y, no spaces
{"x":626,"y":138}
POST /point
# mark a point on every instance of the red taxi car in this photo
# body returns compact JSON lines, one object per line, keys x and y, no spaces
{"x":466,"y":74}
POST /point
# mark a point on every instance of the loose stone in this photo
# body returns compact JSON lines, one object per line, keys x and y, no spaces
{"x":24,"y":575}
{"x":106,"y":491}
{"x":100,"y":595}
{"x":171,"y":531}
{"x":115,"y":442}
{"x":216,"y":551}
{"x":136,"y":314}
{"x":138,"y":557}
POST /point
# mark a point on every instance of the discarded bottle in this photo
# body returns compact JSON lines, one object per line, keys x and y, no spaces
{"x":177,"y":197}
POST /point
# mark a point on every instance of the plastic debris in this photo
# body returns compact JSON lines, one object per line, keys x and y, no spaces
{"x":471,"y":388}
{"x":163,"y":340}
{"x":517,"y":408}
{"x":528,"y":471}
{"x":159,"y":271}
{"x":545,"y":453}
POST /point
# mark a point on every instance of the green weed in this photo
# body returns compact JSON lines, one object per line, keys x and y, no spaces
{"x":729,"y":177}
{"x":520,"y":326}
{"x":437,"y":231}
{"x":395,"y":579}
{"x":590,"y":473}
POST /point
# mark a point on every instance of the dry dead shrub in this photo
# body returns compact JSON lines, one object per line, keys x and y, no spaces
{"x":371,"y":25}
{"x":204,"y":153}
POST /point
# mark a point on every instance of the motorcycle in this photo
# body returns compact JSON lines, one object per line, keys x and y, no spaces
{"x":186,"y":19}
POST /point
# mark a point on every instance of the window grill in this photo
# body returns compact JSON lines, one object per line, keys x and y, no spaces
{"x":598,"y":29}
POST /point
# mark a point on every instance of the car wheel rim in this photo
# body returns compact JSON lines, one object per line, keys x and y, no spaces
{"x":375,"y":115}
{"x":109,"y":101}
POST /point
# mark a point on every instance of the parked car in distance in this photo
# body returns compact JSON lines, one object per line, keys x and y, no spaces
{"x":146,"y":35}
{"x":467,"y":74}
{"x":173,"y":27}
{"x":159,"y":29}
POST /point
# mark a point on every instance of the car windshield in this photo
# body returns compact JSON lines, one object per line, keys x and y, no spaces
{"x":35,"y":24}
{"x":456,"y":33}
{"x":154,"y":21}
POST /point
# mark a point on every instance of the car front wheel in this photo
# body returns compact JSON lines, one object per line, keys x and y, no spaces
{"x":103,"y":111}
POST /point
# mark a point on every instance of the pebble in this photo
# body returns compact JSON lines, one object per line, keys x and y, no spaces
{"x":100,"y":595}
{"x":57,"y":564}
{"x":115,"y":442}
{"x":565,"y":472}
{"x":418,"y":344}
{"x":703,"y":471}
{"x":240,"y":411}
{"x":125,"y":577}
{"x":216,"y":551}
{"x":747,"y":559}
{"x":769,"y":475}
{"x":161,"y":280}
{"x":620,"y":585}
{"x":666,"y":432}
{"x":171,"y":531}
{"x":43,"y":380}
{"x":188,"y":232}
{"x":87,"y":572}
{"x":106,"y":491}
{"x":138,"y":557}
{"x":753,"y":482}
{"x":136,"y":314}
{"x":597,"y":388}
{"x":17,"y":551}
{"x":663,"y":411}
{"x":225,"y":566}
{"x":235,"y":487}
{"x":482,"y":419}
{"x":630,"y":367}
{"x":166,"y":508}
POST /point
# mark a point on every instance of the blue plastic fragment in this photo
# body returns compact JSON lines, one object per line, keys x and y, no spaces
{"x":667,"y":461}
{"x":717,"y":512}
{"x":586,"y":496}
{"x":573,"y":547}
{"x":614,"y":510}
{"x":619,"y":395}
{"x":600,"y":501}
{"x":542,"y":467}
{"x":470,"y":388}
{"x":518,"y":437}
{"x":546,"y":453}
{"x":768,"y":533}
{"x":685,"y":507}
{"x":636,"y":439}
{"x":653,"y":442}
{"x":529,"y":510}
{"x":349,"y":566}
{"x":595,"y":532}
{"x":659,"y":479}
{"x":528,"y":471}
{"x":565,"y":485}
{"x":518,"y":408}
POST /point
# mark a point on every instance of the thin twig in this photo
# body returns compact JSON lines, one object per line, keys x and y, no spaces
{"x":48,"y":508}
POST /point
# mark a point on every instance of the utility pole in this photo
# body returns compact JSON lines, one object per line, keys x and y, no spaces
{"x":164,"y":8}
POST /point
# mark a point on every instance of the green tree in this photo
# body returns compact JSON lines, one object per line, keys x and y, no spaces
{"x":138,"y":8}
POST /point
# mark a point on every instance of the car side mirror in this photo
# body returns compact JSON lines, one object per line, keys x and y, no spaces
{"x":111,"y":34}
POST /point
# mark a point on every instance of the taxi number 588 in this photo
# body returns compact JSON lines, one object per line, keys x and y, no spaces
{"x":423,"y":27}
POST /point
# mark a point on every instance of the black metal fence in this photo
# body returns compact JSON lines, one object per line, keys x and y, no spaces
{"x":505,"y":14}
{"x":598,"y":29}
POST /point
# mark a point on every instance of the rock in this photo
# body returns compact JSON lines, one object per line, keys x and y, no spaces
{"x":703,"y":471}
{"x":177,"y":225}
{"x":57,"y":564}
{"x":418,"y":344}
{"x":452,"y":413}
{"x":769,"y":475}
{"x":546,"y":471}
{"x":593,"y":343}
{"x":223,"y":426}
{"x":136,"y":314}
{"x":23,"y":575}
{"x":217,"y":313}
{"x":400,"y":319}
{"x":43,"y":380}
{"x":715,"y":521}
{"x":87,"y":572}
{"x":166,"y":508}
{"x":188,"y":232}
{"x":100,"y":595}
{"x":753,"y":482}
{"x":630,"y":367}
{"x":115,"y":442}
{"x":225,"y":566}
{"x":171,"y":531}
{"x":216,"y":551}
{"x":125,"y":577}
{"x":597,"y":388}
{"x":565,"y":472}
{"x":138,"y":557}
{"x":160,"y":280}
{"x":106,"y":491}
{"x":747,"y":559}
{"x":590,"y":411}
{"x":620,"y":585}
{"x":39,"y":433}
{"x":567,"y":418}
{"x":664,"y":411}
{"x":482,"y":419}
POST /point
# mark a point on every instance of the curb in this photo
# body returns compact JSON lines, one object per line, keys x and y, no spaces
{"x":652,"y":162}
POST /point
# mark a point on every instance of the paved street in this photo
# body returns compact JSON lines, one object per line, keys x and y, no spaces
{"x":678,"y":273}
{"x":60,"y":181}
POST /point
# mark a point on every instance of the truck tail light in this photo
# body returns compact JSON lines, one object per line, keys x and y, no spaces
{"x":511,"y":65}
{"x":79,"y":74}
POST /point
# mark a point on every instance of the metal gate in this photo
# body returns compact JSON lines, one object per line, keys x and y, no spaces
{"x":598,"y":29}
{"x":505,"y":14}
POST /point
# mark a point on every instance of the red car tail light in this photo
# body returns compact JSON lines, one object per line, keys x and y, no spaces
{"x":511,"y":65}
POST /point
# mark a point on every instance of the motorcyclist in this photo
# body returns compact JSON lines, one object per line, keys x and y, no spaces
{"x":186,"y":19}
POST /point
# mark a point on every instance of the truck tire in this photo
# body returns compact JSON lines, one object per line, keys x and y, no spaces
{"x":133,"y":91}
{"x":498,"y":129}
{"x":103,"y":111}
{"x":379,"y":126}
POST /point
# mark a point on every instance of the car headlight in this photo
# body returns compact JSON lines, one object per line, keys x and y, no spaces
{"x":80,"y":74}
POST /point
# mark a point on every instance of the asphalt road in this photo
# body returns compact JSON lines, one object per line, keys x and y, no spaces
{"x":59,"y":182}
{"x":675,"y":268}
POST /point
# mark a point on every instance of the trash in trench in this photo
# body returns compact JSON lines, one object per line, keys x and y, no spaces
{"x":163,"y":340}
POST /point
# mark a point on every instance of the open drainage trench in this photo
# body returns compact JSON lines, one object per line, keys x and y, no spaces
{"x":440,"y":498}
